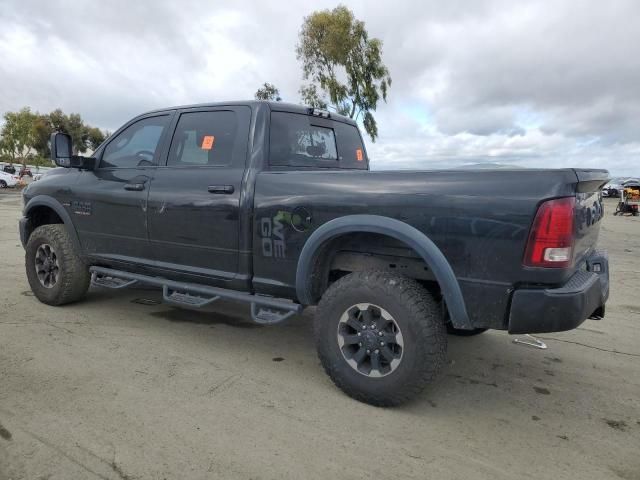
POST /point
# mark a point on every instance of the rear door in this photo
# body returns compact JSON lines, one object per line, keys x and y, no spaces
{"x":109,"y":204}
{"x":195,"y":194}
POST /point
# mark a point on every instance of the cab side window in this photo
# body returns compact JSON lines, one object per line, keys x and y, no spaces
{"x":136,"y":145}
{"x":204,"y":138}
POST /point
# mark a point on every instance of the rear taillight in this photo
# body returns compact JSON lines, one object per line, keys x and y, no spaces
{"x":551,"y":239}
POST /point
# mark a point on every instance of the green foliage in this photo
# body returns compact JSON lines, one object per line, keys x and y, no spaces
{"x":95,"y":137}
{"x":340,"y":59}
{"x":17,"y":135}
{"x":78,"y":131}
{"x":4,"y":151}
{"x":39,"y":161}
{"x":268,"y":91}
{"x":41,"y":133}
{"x":83,"y":136}
{"x":24,"y":132}
{"x":312,"y":97}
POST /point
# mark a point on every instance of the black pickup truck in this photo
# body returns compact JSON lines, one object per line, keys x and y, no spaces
{"x":274,"y":205}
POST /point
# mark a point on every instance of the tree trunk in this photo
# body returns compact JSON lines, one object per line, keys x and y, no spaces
{"x":353,"y":110}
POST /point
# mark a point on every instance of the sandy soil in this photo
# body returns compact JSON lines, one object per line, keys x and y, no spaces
{"x":115,"y":389}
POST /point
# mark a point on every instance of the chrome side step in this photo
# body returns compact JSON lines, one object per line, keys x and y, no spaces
{"x":264,"y":310}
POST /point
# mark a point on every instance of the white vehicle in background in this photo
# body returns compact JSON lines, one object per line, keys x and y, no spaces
{"x":8,"y":180}
{"x":611,"y":190}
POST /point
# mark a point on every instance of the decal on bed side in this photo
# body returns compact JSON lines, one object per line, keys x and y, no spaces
{"x":272,"y":233}
{"x":272,"y":230}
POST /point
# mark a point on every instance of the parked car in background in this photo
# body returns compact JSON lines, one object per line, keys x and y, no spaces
{"x":9,"y":169}
{"x":25,"y":171}
{"x":7,"y":180}
{"x":611,"y":190}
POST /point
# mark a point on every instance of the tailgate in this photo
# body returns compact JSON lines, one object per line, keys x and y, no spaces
{"x":589,"y":210}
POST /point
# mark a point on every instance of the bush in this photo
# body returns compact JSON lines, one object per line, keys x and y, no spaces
{"x":40,"y":162}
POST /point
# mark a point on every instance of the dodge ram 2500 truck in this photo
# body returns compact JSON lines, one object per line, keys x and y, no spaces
{"x":274,"y":205}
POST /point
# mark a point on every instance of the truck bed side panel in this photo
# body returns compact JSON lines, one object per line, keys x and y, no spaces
{"x":479,"y":219}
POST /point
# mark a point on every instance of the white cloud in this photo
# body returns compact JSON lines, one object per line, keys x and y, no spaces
{"x":532,"y":84}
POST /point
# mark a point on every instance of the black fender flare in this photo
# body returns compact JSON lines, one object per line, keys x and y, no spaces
{"x":414,"y":238}
{"x":53,"y":204}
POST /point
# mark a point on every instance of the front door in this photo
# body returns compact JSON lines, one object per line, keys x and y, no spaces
{"x":195,"y":196}
{"x":109,"y":204}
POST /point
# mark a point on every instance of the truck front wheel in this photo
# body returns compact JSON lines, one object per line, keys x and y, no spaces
{"x":55,"y":272}
{"x":380,"y":337}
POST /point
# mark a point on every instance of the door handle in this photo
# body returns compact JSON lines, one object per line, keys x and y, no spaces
{"x":134,"y":187}
{"x":223,"y":189}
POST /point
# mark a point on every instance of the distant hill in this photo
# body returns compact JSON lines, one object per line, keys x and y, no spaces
{"x":491,"y":165}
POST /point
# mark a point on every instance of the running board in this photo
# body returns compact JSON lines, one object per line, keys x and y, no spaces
{"x":110,"y":282}
{"x":264,"y":310}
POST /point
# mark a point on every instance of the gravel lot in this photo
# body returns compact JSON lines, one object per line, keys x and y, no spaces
{"x":121,"y":387}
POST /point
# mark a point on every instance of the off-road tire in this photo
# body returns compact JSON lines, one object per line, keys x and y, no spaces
{"x":464,"y":333}
{"x":419,"y":317}
{"x":73,"y":275}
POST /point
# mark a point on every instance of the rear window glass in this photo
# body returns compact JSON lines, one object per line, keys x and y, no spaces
{"x":298,"y":140}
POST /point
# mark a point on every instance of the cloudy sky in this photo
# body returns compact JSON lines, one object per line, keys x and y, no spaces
{"x":524,"y":83}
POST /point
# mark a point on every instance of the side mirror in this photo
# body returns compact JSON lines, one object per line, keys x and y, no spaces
{"x":62,"y":156}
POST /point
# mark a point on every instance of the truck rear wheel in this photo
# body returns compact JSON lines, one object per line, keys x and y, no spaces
{"x":55,"y":272}
{"x":380,"y":337}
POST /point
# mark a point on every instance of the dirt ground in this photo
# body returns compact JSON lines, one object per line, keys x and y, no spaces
{"x":121,"y":387}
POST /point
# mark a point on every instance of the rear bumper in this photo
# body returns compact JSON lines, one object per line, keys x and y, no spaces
{"x":564,"y":308}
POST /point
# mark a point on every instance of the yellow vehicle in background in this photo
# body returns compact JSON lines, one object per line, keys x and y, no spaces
{"x":629,"y":198}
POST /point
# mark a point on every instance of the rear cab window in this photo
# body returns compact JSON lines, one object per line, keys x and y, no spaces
{"x":311,"y":142}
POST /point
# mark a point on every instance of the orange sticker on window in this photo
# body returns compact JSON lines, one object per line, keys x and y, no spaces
{"x":207,"y":142}
{"x":359,"y":155}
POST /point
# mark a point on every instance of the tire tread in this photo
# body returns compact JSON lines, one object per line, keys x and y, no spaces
{"x":75,"y":276}
{"x":425,"y":312}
